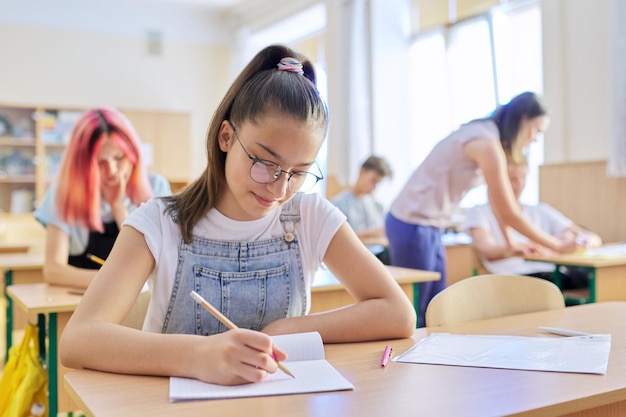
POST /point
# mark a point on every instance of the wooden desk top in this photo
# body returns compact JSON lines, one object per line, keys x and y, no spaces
{"x":448,"y":239}
{"x":43,"y":298}
{"x":582,"y":259}
{"x":14,"y":247}
{"x":326,"y":281}
{"x":382,"y":241}
{"x":20,"y":261}
{"x":401,"y":389}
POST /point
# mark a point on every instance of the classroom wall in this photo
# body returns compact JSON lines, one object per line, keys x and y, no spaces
{"x":582,"y":191}
{"x":69,"y":53}
{"x":577,"y":65}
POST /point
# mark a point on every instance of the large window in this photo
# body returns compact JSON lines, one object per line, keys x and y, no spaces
{"x":461,"y":72}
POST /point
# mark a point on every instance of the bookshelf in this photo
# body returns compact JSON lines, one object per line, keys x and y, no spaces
{"x":33,"y":139}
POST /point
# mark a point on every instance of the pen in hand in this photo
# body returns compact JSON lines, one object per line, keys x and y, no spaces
{"x":226,"y":322}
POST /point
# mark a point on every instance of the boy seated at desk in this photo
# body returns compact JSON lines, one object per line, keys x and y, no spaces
{"x":499,"y":258}
{"x":364,"y":214}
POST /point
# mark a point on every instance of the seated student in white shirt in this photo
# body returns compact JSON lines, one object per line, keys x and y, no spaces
{"x":363,"y":212}
{"x":499,"y":258}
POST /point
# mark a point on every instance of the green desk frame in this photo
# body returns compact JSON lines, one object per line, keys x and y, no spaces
{"x":556,"y":277}
{"x":50,"y":360}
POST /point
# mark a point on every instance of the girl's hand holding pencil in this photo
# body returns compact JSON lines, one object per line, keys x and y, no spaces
{"x":224,"y":320}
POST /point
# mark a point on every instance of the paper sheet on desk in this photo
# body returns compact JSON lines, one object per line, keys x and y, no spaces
{"x":607,"y":251}
{"x":580,"y":354}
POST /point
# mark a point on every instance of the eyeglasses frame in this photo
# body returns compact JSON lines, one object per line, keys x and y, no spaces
{"x":279,"y":170}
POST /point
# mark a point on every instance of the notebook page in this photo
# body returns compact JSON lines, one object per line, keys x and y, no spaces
{"x":607,"y":251}
{"x":310,"y":376}
{"x":301,"y":346}
{"x":580,"y":354}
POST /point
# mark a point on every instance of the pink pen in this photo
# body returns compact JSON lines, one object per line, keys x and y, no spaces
{"x":386,"y":356}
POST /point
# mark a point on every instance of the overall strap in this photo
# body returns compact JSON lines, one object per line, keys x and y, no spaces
{"x":289,"y":216}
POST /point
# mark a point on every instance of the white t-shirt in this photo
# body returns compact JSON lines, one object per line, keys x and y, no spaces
{"x":363,"y":213}
{"x":319,"y":222}
{"x":433,"y":193}
{"x":544,"y":216}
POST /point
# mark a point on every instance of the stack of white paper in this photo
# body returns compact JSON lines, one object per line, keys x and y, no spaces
{"x":580,"y":354}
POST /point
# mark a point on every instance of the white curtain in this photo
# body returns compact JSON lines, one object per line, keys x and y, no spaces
{"x":349,"y":87}
{"x":616,"y":166}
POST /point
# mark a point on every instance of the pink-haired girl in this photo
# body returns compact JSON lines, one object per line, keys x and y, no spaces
{"x":102,"y":178}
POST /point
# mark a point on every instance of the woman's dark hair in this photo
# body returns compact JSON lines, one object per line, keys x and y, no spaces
{"x":508,"y":118}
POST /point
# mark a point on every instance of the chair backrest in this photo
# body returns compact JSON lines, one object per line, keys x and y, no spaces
{"x":137,"y":314}
{"x":491,"y":295}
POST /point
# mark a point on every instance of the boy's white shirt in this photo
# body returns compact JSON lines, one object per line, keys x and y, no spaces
{"x":544,"y":216}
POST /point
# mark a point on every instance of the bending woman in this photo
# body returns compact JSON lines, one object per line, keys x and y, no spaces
{"x":474,"y":154}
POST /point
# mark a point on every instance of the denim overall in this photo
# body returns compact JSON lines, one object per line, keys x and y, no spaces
{"x":251,"y":283}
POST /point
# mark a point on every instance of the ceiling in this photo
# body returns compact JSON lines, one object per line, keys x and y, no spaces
{"x":209,"y":4}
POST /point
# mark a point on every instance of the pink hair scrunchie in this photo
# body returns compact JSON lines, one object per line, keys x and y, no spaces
{"x":290,"y":64}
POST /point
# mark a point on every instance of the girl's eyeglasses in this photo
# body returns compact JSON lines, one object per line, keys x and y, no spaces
{"x":266,"y":172}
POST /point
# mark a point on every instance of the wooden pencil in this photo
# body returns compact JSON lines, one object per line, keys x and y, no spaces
{"x":95,"y":259}
{"x":226,"y":322}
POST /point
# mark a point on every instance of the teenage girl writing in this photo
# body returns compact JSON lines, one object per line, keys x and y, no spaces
{"x":244,"y":237}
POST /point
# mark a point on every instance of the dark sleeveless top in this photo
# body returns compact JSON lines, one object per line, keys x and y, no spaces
{"x":99,"y":244}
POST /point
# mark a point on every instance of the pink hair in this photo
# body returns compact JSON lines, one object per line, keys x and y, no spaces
{"x":78,"y":197}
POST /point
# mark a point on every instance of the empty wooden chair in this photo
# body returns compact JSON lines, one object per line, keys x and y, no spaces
{"x":491,"y":295}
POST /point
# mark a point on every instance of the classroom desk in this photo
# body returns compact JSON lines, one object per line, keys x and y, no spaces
{"x":404,"y":389}
{"x":379,"y":246}
{"x":13,"y":247}
{"x":327,"y":293}
{"x":21,"y":268}
{"x":53,"y":307}
{"x":18,"y":268}
{"x":57,"y":304}
{"x":607,"y":278}
{"x":461,"y":260}
{"x":382,"y":241}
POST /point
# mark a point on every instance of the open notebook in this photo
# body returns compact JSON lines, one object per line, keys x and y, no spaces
{"x":578,"y":354}
{"x":313,"y":373}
